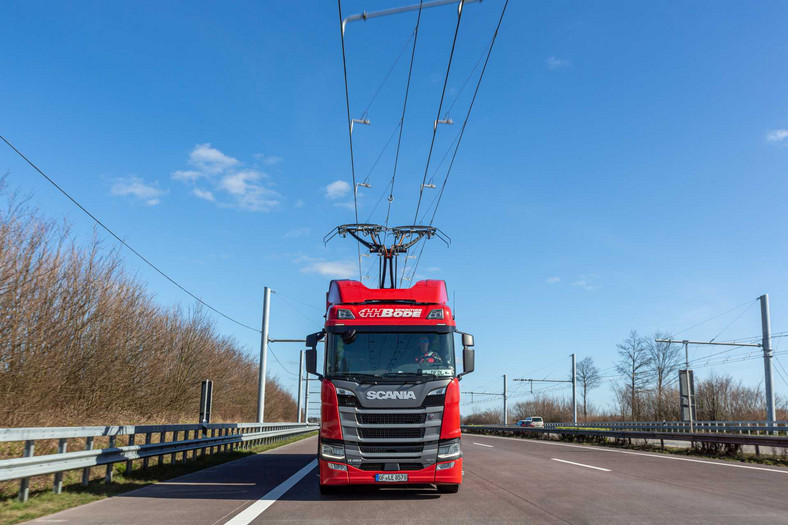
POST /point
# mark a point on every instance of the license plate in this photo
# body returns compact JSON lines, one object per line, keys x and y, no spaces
{"x":391,"y":477}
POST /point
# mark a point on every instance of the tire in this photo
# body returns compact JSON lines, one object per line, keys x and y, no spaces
{"x":329,"y":490}
{"x":449,"y":489}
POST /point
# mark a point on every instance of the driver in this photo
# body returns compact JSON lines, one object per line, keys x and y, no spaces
{"x":425,"y":355}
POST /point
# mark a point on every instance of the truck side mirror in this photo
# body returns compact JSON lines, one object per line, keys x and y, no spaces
{"x":311,"y":352}
{"x":311,"y":361}
{"x":468,"y":359}
{"x":467,"y":340}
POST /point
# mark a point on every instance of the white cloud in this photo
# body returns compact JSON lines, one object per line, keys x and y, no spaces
{"x":777,"y":135}
{"x":333,"y":269}
{"x":187,"y":175}
{"x":587,"y":282}
{"x":136,"y":187}
{"x":337,"y":189}
{"x":297,"y":232}
{"x":232,"y":185}
{"x":210,"y":160}
{"x":557,"y":63}
{"x":553,"y":280}
{"x":269,"y":160}
{"x":203,"y":194}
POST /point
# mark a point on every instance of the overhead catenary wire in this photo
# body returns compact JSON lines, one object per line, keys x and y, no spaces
{"x":734,"y":320}
{"x":440,"y":108}
{"x":459,"y":139}
{"x":125,"y":244}
{"x":349,"y":129}
{"x":402,"y":118}
{"x":388,"y":74}
{"x":746,"y":303}
{"x":279,"y":362}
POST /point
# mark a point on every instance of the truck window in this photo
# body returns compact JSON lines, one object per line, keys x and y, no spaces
{"x":391,"y":354}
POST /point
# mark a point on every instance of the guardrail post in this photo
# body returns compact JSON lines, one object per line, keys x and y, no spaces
{"x":86,"y":470}
{"x":110,"y":466}
{"x":147,"y":442}
{"x":130,"y":463}
{"x":162,"y":439}
{"x":24,"y":485}
{"x":174,"y":439}
{"x":57,"y":488}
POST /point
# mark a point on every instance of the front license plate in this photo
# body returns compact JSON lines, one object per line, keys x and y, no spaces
{"x":391,"y":477}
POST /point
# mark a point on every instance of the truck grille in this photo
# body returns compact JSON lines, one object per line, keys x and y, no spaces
{"x":434,"y":401}
{"x":390,"y":419}
{"x":390,"y":433}
{"x":392,"y":448}
{"x":380,"y":466}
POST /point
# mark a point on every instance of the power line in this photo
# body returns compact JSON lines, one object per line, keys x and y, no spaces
{"x":734,"y":320}
{"x":714,"y":317}
{"x":404,"y":107}
{"x":349,"y":129}
{"x":280,"y":363}
{"x":438,"y":115}
{"x":374,"y":165}
{"x":366,"y":110}
{"x":124,"y":243}
{"x":459,"y":140}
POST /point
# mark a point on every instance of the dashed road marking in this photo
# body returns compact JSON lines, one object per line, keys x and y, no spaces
{"x":581,"y":465}
{"x":483,"y":445}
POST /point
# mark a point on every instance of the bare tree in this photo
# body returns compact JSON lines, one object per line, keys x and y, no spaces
{"x":633,"y":364}
{"x":589,"y":378}
{"x":664,"y":362}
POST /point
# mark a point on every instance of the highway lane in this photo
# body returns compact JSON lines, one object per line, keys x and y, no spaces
{"x":506,"y":480}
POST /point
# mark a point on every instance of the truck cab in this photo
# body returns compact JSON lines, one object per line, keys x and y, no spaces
{"x":390,"y":395}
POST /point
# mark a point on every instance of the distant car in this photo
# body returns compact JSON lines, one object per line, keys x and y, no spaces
{"x":534,"y":422}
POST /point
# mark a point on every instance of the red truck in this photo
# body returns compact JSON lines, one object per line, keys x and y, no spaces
{"x":390,"y":394}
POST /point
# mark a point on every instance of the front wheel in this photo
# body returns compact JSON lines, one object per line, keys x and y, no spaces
{"x":449,"y":489}
{"x":327,"y":490}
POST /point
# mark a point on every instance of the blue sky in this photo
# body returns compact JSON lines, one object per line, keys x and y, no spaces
{"x":624,"y":166}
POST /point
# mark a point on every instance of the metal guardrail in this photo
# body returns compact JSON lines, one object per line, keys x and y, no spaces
{"x":726,"y":427}
{"x":697,"y":437}
{"x":200,"y":439}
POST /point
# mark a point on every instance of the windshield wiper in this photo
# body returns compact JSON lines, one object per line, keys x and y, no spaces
{"x":356,"y":376}
{"x":420,"y":374}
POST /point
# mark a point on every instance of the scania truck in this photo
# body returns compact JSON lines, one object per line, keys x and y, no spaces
{"x":390,"y":394}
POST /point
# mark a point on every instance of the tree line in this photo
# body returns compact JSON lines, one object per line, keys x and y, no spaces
{"x":646,"y":390}
{"x":82,"y":341}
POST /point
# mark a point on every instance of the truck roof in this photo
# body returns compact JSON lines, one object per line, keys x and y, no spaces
{"x":346,"y":291}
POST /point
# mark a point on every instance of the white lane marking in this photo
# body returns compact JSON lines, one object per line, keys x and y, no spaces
{"x":483,"y":445}
{"x":197,"y":484}
{"x":251,"y":512}
{"x":581,"y":465}
{"x":659,"y":456}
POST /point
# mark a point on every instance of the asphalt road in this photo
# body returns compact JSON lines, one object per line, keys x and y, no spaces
{"x":506,"y":480}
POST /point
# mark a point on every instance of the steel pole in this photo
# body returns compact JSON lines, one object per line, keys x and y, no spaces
{"x":306,"y":399}
{"x":574,"y":390}
{"x":300,"y":381}
{"x":505,"y":403}
{"x":767,"y":357}
{"x":263,"y":357}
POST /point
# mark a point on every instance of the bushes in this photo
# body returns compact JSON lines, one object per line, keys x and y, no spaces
{"x":83,"y":342}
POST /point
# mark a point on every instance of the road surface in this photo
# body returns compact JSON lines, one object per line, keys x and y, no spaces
{"x":506,"y":480}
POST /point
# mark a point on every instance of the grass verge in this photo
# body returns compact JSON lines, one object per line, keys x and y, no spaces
{"x":44,"y":502}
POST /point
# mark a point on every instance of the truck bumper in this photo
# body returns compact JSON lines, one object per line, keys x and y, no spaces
{"x":354,"y":476}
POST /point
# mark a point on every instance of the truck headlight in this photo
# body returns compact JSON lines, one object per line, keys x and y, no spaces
{"x":332,"y":451}
{"x":449,"y":450}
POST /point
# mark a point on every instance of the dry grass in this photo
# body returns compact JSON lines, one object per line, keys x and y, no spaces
{"x":83,"y":342}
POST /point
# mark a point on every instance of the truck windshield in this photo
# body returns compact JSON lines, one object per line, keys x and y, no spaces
{"x":388,"y":355}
